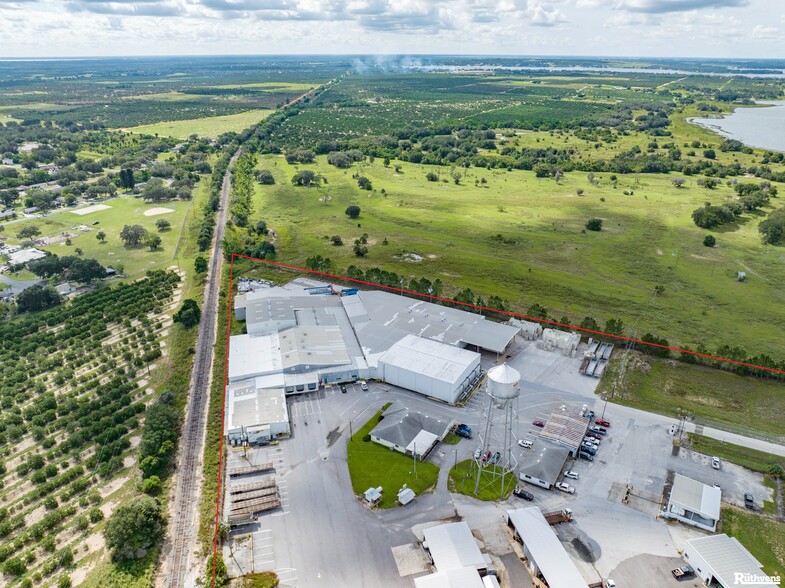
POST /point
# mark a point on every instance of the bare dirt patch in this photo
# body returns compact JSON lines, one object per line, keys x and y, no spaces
{"x":156,"y":211}
{"x":89,"y":209}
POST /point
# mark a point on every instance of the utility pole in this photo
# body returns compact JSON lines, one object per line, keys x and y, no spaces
{"x":414,"y":457}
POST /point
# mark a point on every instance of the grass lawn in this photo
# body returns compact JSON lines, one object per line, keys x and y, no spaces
{"x":463,"y":479}
{"x":745,"y":405}
{"x":452,"y":439}
{"x":522,"y":238}
{"x":372,"y":465}
{"x":763,"y":537}
{"x":124,"y":210}
{"x":752,"y":459}
{"x":211,"y":126}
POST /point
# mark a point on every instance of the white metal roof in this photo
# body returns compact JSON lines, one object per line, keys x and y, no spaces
{"x":251,"y":356}
{"x":456,"y":578}
{"x":453,"y":546}
{"x":696,"y":496}
{"x":247,"y":407}
{"x":546,"y":550}
{"x":430,"y":358}
{"x":25,"y":255}
{"x":725,"y":555}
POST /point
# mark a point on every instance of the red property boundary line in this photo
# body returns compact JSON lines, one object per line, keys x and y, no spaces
{"x":429,"y":298}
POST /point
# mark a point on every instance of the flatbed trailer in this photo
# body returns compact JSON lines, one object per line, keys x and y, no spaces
{"x":251,"y":486}
{"x":250,"y":469}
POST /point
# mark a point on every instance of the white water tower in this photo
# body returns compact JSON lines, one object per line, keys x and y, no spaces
{"x":503,"y":389}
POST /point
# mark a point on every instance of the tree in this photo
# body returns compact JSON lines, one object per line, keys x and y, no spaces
{"x":659,"y":290}
{"x":14,"y":567}
{"x":189,"y":313}
{"x":37,"y":298}
{"x":133,"y":529}
{"x":360,"y":250}
{"x":127,"y":178}
{"x":431,"y":177}
{"x":614,"y":326}
{"x":537,"y":311}
{"x":151,"y":485}
{"x":264,"y":177}
{"x":46,"y":267}
{"x":709,"y":154}
{"x":28,"y":232}
{"x":336,"y":240}
{"x":306,"y":178}
{"x":163,"y":224}
{"x":589,"y":323}
{"x":85,"y":271}
{"x":8,"y":197}
{"x":153,"y":242}
{"x":777,"y":471}
{"x":709,"y":241}
{"x":364,"y":183}
{"x":353,"y":211}
{"x":678,"y":182}
{"x":200,"y":264}
{"x":133,"y":235}
{"x":101,"y":236}
{"x":594,"y":224}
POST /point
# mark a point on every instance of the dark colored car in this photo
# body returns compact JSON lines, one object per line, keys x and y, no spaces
{"x":602,"y":423}
{"x":588,"y":449}
{"x":521,"y":493}
{"x":343,"y":389}
{"x":585,"y":456}
{"x":463,"y":433}
{"x":538,"y":424}
{"x":495,"y":458}
{"x":464,"y":427}
{"x":594,"y":435}
{"x":749,"y":501}
{"x":486,"y":455}
{"x":590,"y":415}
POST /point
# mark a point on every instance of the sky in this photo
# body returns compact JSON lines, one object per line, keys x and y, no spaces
{"x":646,"y":28}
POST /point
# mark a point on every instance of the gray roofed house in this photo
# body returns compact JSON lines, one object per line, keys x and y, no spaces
{"x":408,"y":431}
{"x":694,"y":503}
{"x":542,"y":464}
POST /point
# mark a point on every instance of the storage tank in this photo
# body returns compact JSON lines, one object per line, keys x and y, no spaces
{"x":503,"y":382}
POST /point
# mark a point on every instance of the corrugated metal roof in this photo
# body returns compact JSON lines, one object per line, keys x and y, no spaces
{"x":251,"y":356}
{"x":430,"y":358}
{"x":544,"y":461}
{"x":546,"y":550}
{"x":696,"y":496}
{"x":726,"y":556}
{"x":453,"y":546}
{"x":565,"y":428}
{"x":247,"y":406}
{"x":457,"y":578}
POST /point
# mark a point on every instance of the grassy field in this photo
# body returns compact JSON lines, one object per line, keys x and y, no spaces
{"x":758,"y":461}
{"x":211,"y":126}
{"x":372,"y":465}
{"x":522,"y":238}
{"x":736,"y":403}
{"x":463,"y":479}
{"x":763,"y":537}
{"x":125,"y":210}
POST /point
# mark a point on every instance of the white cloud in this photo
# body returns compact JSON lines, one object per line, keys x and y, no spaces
{"x":763,"y":32}
{"x":544,"y":16}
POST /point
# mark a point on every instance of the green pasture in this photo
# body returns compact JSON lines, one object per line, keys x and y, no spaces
{"x":742,"y":404}
{"x":763,"y":537}
{"x":522,"y":238}
{"x":211,"y":126}
{"x":125,"y":210}
{"x":372,"y":465}
{"x":268,"y":86}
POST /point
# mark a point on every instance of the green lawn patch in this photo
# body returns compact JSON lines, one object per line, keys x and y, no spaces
{"x":463,"y":479}
{"x":451,"y":439}
{"x":745,"y":405}
{"x":752,"y":459}
{"x":210,"y":126}
{"x":763,"y":537}
{"x":372,"y":465}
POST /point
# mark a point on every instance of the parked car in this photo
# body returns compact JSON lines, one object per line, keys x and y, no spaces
{"x":538,"y":424}
{"x":589,"y":449}
{"x":593,"y":435}
{"x":565,"y":487}
{"x":463,"y":433}
{"x":602,"y":423}
{"x":363,"y":385}
{"x":495,"y":458}
{"x":609,"y":584}
{"x":599,"y":430}
{"x":343,"y":389}
{"x":572,"y":475}
{"x":715,"y":463}
{"x":590,"y":415}
{"x":591,"y":441}
{"x":683,"y":572}
{"x":521,"y":493}
{"x":486,"y":455}
{"x":477,"y":453}
{"x":749,"y":501}
{"x":526,"y":443}
{"x":585,"y":456}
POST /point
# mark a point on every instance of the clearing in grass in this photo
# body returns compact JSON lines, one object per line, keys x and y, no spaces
{"x":211,"y":126}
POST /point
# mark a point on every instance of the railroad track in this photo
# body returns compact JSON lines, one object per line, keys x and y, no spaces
{"x":184,"y":522}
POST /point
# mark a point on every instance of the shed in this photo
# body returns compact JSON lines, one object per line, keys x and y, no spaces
{"x":455,"y":578}
{"x":545,"y":555}
{"x":405,"y":495}
{"x":718,"y":559}
{"x":453,"y":546}
{"x":694,"y":503}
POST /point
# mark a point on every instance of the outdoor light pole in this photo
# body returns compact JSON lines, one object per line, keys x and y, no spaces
{"x":604,"y":407}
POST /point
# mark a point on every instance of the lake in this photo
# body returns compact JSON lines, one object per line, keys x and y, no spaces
{"x":757,"y":127}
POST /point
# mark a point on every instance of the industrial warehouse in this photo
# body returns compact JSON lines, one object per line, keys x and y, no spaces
{"x":306,"y":335}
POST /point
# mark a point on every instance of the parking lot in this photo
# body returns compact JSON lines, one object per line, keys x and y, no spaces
{"x":323,"y":535}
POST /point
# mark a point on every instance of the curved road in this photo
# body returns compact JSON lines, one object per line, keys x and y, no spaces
{"x":180,"y":566}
